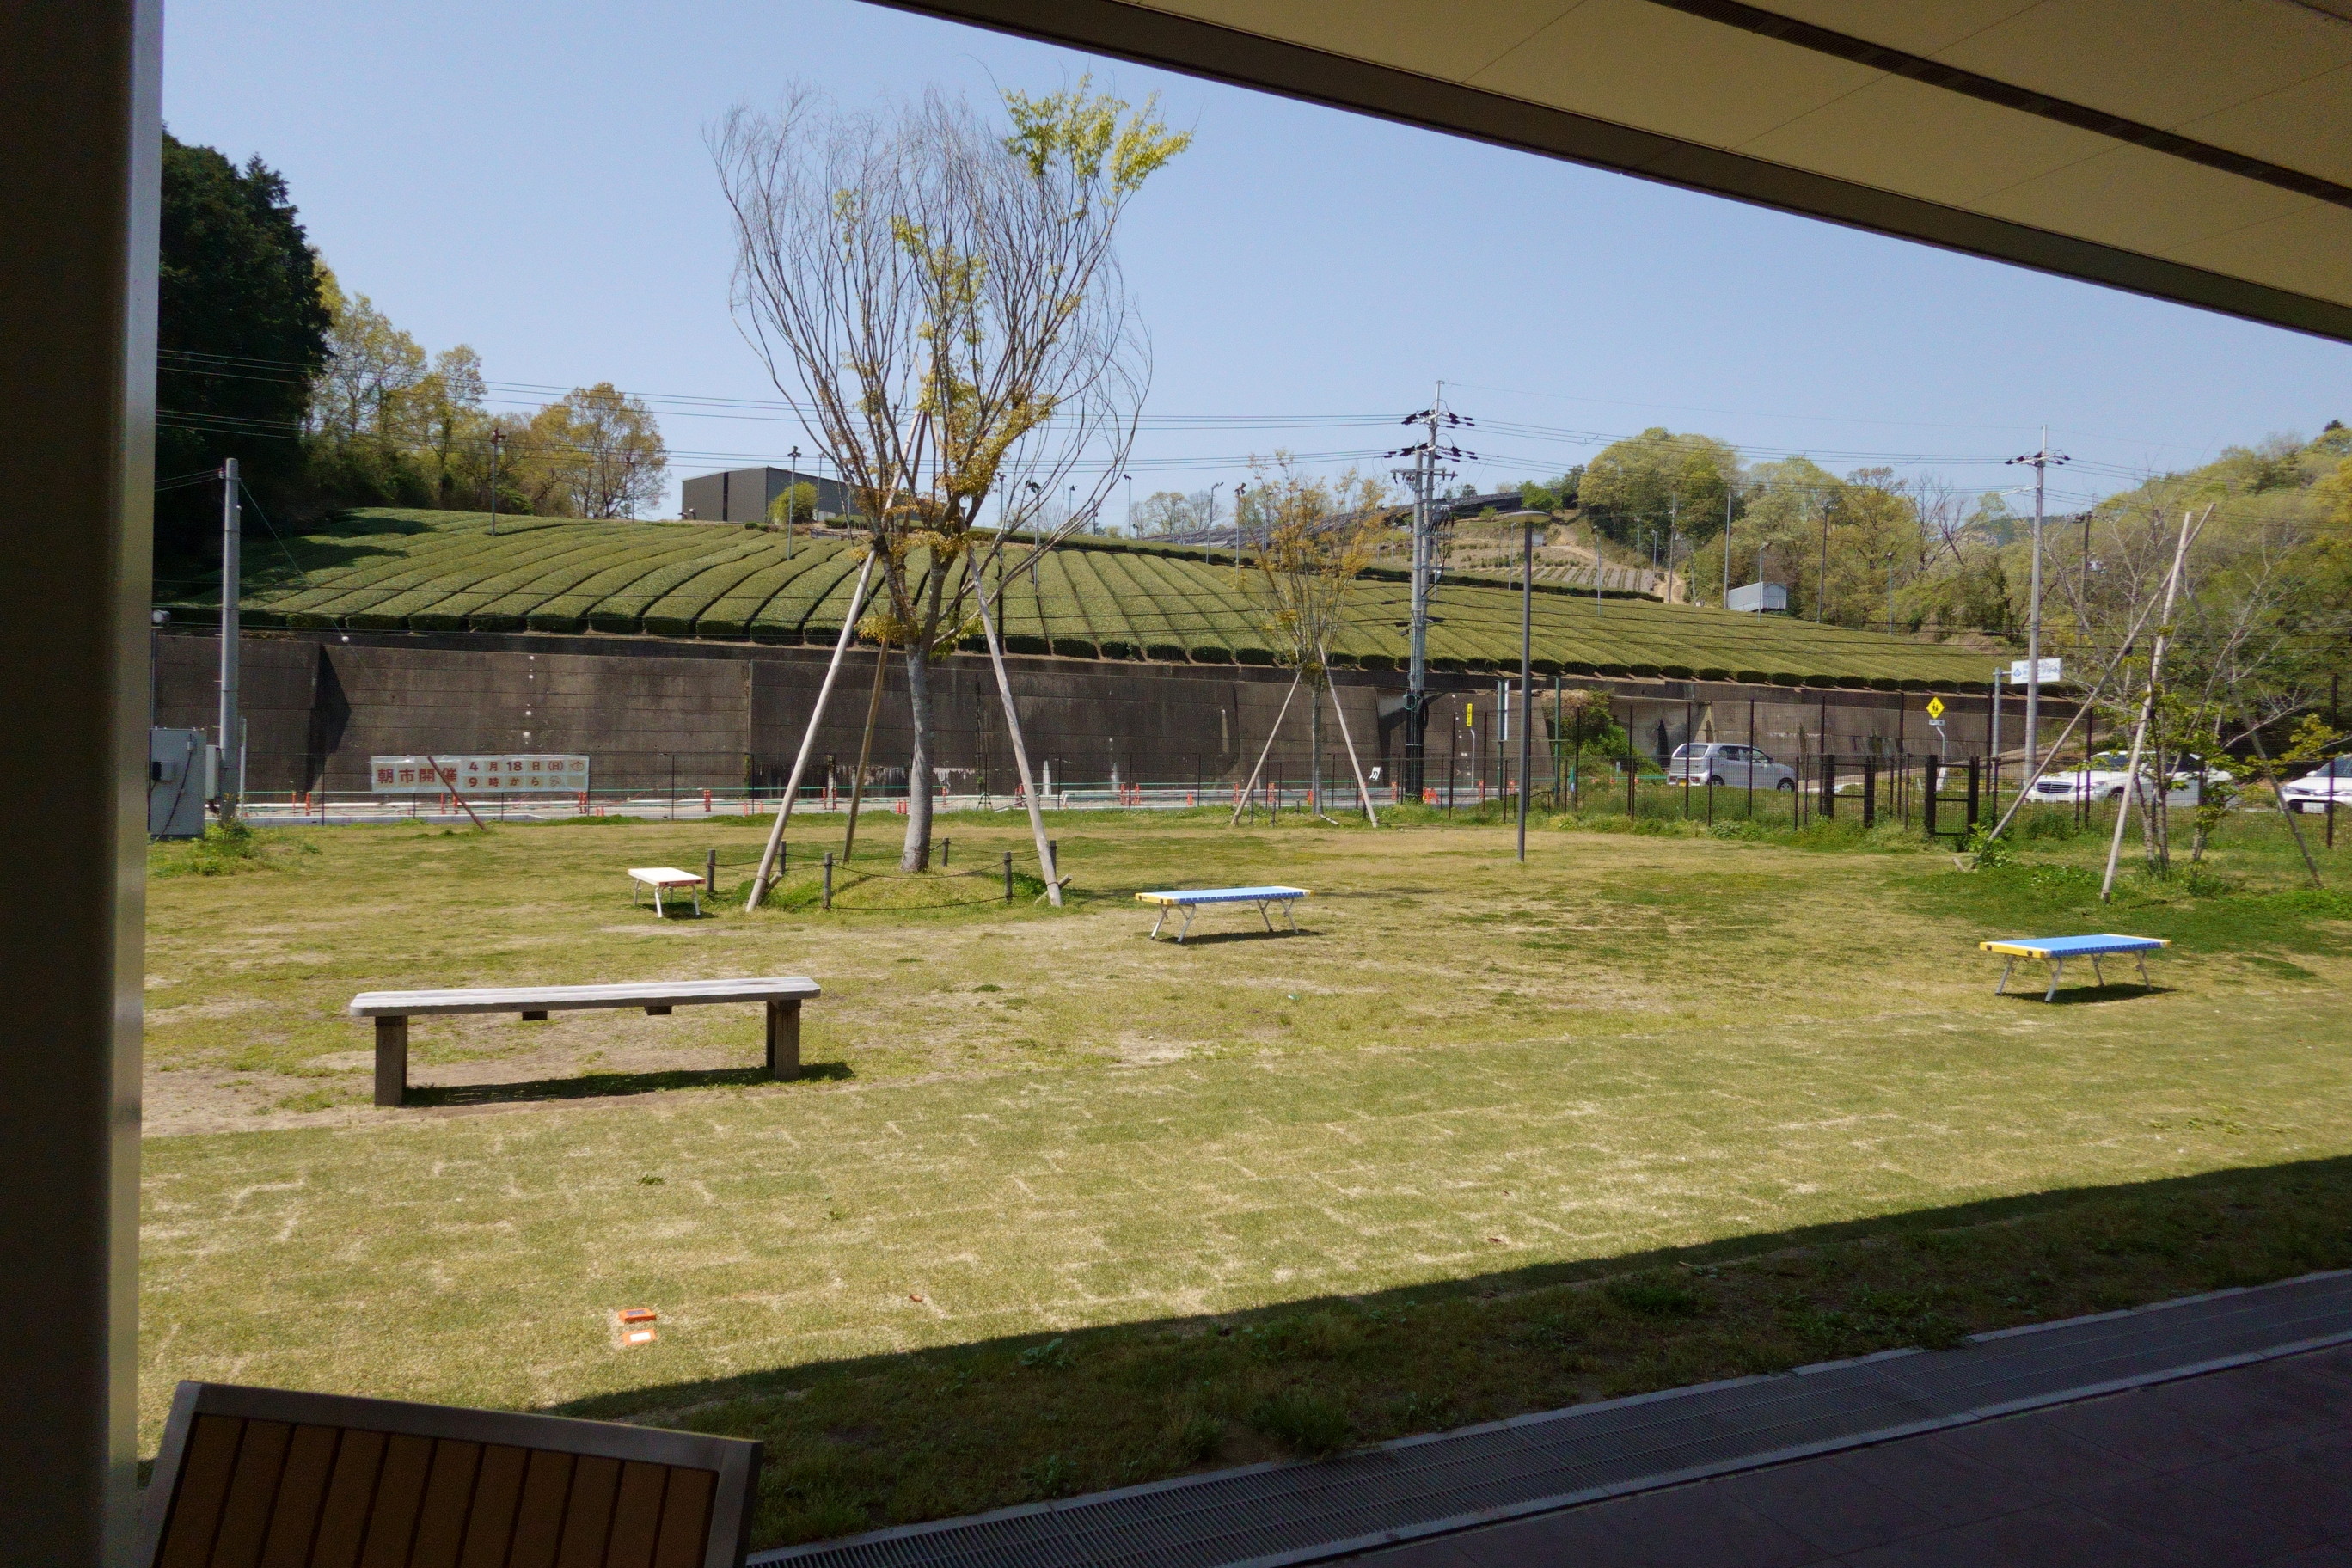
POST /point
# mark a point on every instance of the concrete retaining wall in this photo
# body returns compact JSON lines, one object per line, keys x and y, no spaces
{"x":319,"y":704}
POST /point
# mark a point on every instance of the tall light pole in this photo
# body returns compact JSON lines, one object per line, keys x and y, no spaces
{"x":2041,"y":457}
{"x":791,"y":497}
{"x":1239,"y":491}
{"x":1212,"y":524}
{"x":1526,"y":671}
{"x":1821,"y":596}
{"x":1130,"y":504}
{"x":498,"y":444}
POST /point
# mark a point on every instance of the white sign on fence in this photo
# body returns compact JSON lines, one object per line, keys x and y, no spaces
{"x":2021,"y":671}
{"x":500,"y":774}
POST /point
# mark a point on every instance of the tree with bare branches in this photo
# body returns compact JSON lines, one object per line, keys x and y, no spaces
{"x":939,"y":299}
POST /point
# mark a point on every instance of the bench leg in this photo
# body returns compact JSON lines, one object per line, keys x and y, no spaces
{"x":1186,"y":926}
{"x":2143,"y":967}
{"x":390,"y":1061}
{"x":1267,"y":918}
{"x":784,"y":1040}
{"x":1289,"y":905}
{"x":1158,"y":923}
{"x":2003,"y":986}
{"x":2098,"y":973}
{"x":2057,"y":970}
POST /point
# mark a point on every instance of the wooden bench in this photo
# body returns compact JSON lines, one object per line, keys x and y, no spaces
{"x":263,"y":1476}
{"x":392,"y":1010}
{"x":1190,"y":900}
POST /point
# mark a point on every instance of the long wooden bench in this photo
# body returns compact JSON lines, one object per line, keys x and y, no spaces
{"x":251,"y":1475}
{"x":392,"y":1010}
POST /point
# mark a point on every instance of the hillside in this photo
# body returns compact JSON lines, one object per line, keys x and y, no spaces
{"x":389,"y":570}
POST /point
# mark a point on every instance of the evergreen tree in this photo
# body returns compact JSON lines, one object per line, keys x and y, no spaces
{"x":241,"y":332}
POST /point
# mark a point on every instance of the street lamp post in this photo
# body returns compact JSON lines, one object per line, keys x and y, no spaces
{"x":1130,"y":504}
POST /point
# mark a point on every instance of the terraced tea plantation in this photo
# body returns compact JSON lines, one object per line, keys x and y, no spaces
{"x":389,"y":570}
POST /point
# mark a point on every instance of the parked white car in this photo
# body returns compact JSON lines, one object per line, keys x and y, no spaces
{"x":1731,"y":766}
{"x":2105,"y":777}
{"x":2312,"y":792}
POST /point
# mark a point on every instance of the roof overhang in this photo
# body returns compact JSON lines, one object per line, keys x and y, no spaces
{"x":2197,"y":152}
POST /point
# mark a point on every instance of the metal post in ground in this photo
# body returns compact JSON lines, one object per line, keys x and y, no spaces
{"x":1633,"y":781}
{"x":1008,"y":876}
{"x":1972,"y":795}
{"x":1869,"y":792}
{"x":1927,"y":797}
{"x":828,"y":879}
{"x":710,"y":873}
{"x":1829,"y":787}
{"x":1751,"y":702}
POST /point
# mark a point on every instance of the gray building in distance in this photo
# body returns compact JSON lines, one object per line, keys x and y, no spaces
{"x":741,"y":495}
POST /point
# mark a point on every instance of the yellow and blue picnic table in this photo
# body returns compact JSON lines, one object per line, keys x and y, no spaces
{"x":2056,"y":950}
{"x":1191,"y":898}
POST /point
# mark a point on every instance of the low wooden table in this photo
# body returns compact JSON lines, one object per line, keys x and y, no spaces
{"x":660,"y":876}
{"x":783,"y":995}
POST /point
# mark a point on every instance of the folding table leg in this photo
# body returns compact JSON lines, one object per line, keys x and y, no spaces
{"x":1267,"y":918}
{"x":1187,"y":926}
{"x":2057,"y":970}
{"x":1158,"y":923}
{"x":2097,"y":973}
{"x":2003,"y":986}
{"x":2143,"y":967}
{"x":1289,"y":905}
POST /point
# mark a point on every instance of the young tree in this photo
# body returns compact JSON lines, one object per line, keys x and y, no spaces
{"x":1314,"y":539}
{"x":369,"y":383}
{"x":940,"y":301}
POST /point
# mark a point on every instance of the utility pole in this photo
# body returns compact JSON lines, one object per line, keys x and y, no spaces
{"x":1890,"y":593}
{"x":1727,"y":549}
{"x":2041,"y":459}
{"x":497,"y":442}
{"x":1673,"y":522}
{"x":1821,"y":598}
{"x":1423,"y":476}
{"x":1239,"y":491}
{"x":1130,"y":504}
{"x":232,"y":783}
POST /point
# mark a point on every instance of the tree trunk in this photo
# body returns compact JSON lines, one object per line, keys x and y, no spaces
{"x":1314,"y":749}
{"x":916,"y":855}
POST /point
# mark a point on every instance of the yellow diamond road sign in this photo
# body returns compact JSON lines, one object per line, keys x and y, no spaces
{"x":1935,"y":707}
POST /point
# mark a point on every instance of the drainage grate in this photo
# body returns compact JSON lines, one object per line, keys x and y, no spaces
{"x":1272,"y":1514}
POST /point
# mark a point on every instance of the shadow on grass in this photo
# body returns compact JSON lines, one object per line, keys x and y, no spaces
{"x":1210,"y":938}
{"x":2076,"y":996}
{"x":956,"y":1429}
{"x":605,"y":1085}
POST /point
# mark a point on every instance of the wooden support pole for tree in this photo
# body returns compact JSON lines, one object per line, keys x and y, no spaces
{"x":1020,"y":750}
{"x":864,"y":750}
{"x":1268,"y":748}
{"x":2146,"y":708}
{"x":808,"y":740}
{"x":1363,"y":789}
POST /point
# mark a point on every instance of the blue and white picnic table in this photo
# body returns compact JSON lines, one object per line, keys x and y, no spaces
{"x":2056,"y":950}
{"x":1190,"y":900}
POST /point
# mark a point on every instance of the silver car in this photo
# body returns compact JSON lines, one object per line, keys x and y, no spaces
{"x":2331,"y":781}
{"x":1731,"y":766}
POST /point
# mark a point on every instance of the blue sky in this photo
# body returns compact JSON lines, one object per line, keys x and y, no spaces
{"x":532,"y":180}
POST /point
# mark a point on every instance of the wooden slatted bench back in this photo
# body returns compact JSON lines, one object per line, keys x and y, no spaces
{"x":251,"y":1477}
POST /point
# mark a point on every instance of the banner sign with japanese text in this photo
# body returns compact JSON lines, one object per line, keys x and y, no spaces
{"x":495,"y":774}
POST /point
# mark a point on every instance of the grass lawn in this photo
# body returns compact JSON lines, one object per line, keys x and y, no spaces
{"x":1058,"y":1208}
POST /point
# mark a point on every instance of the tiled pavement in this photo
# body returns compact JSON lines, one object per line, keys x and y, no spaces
{"x":2252,"y":1465}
